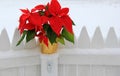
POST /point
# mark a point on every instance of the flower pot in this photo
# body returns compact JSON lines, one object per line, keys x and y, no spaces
{"x":50,"y":49}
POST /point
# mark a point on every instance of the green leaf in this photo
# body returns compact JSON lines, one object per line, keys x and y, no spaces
{"x":61,"y":40}
{"x":46,"y":26}
{"x":21,"y":39}
{"x":51,"y":35}
{"x":30,"y":35}
{"x":68,"y":36}
{"x":41,"y":13}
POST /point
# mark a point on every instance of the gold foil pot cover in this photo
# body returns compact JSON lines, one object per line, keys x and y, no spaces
{"x":50,"y":49}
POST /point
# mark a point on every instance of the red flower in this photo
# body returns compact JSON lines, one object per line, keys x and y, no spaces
{"x":37,"y":20}
{"x":47,"y":22}
{"x":42,"y":37}
{"x":67,"y":22}
{"x":38,"y":7}
{"x":54,"y":7}
{"x":59,"y":17}
{"x":23,"y":19}
{"x":56,"y":24}
{"x":31,"y":20}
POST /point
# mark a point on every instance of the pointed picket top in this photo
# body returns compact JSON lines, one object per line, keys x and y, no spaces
{"x":68,"y":44}
{"x":31,"y":44}
{"x":16,"y":38}
{"x":83,"y":39}
{"x":97,"y":40}
{"x":111,"y":40}
{"x":4,"y":41}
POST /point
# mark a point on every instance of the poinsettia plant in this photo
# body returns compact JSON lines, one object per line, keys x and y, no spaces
{"x":47,"y":22}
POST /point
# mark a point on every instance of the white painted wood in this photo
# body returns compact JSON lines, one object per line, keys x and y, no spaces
{"x":28,"y":63}
{"x":9,"y":72}
{"x":4,"y":41}
{"x":31,"y":71}
{"x":21,"y":71}
{"x":77,"y":68}
{"x":49,"y":65}
{"x":111,"y":40}
{"x":19,"y":58}
{"x":91,"y":56}
{"x":16,"y":62}
{"x":112,"y":70}
{"x":98,"y":70}
{"x":84,"y":70}
{"x":70,"y":70}
{"x":60,"y":70}
{"x":90,"y":59}
{"x":31,"y":44}
{"x":38,"y":71}
{"x":15,"y":40}
{"x":72,"y":60}
{"x":97,"y":40}
{"x":67,"y":56}
{"x":83,"y":39}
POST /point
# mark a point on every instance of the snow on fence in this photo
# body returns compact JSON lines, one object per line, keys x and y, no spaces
{"x":87,"y":57}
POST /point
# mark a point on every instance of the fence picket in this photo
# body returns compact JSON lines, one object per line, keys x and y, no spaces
{"x":83,"y":39}
{"x":111,"y":40}
{"x":16,"y":38}
{"x":4,"y":41}
{"x":97,"y":40}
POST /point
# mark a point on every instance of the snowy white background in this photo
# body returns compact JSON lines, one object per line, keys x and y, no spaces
{"x":89,"y":13}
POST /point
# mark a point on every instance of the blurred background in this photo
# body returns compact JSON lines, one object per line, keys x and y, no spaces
{"x":89,"y":13}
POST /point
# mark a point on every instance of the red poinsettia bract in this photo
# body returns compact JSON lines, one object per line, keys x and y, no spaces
{"x":45,"y":21}
{"x":59,"y":17}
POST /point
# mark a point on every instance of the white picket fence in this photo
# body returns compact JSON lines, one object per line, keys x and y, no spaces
{"x":87,"y":57}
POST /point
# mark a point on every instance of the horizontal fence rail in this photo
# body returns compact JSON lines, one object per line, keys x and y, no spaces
{"x":87,"y":57}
